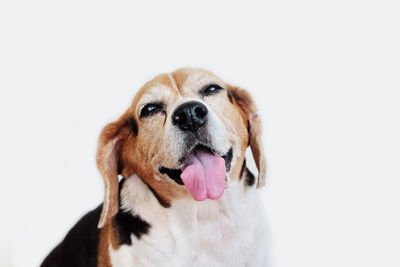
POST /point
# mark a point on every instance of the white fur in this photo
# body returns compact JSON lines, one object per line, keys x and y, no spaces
{"x":229,"y":231}
{"x":173,"y":82}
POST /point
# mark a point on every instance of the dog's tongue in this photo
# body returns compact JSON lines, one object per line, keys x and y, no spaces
{"x":204,"y":175}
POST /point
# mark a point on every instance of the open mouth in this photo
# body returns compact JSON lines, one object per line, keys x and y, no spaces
{"x":203,"y":172}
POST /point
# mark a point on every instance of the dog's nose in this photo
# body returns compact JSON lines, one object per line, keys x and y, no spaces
{"x":190,"y":116}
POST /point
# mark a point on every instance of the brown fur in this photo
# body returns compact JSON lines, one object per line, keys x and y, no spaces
{"x":111,"y":142}
{"x":246,"y":103}
{"x":106,"y":237}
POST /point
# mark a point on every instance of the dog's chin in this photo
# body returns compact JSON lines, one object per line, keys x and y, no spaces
{"x":175,"y":173}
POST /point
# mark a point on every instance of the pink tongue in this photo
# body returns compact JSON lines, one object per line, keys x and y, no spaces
{"x":204,"y":175}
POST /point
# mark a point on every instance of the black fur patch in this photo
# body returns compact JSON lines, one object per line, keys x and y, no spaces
{"x":250,"y":178}
{"x":245,"y":173}
{"x":134,"y":126}
{"x":80,"y":245}
{"x":125,"y":223}
{"x":228,"y":160}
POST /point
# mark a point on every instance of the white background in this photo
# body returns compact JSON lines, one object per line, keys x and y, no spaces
{"x":325,"y":75}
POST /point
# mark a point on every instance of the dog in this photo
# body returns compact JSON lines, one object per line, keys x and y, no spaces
{"x":185,"y":195}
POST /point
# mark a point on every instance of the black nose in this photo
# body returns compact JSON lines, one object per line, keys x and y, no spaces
{"x":190,"y":116}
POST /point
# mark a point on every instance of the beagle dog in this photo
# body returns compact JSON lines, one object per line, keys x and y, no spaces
{"x":185,"y":196}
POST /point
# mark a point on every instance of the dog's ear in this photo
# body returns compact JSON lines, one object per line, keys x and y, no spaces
{"x":108,"y":161}
{"x":244,"y":100}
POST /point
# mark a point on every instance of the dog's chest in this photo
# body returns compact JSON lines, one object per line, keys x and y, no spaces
{"x":209,"y":233}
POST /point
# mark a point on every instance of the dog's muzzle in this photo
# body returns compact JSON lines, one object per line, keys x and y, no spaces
{"x":202,"y":164}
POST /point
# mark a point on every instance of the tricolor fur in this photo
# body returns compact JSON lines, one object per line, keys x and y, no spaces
{"x":151,"y":217}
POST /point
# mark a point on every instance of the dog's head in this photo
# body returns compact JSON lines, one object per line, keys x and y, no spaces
{"x":185,"y":135}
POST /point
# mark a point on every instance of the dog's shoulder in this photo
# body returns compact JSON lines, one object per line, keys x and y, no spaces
{"x":80,"y":245}
{"x":83,"y":243}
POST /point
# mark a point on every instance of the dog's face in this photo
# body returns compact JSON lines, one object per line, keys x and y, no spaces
{"x":185,"y":134}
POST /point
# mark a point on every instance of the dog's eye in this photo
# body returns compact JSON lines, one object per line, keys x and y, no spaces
{"x":150,"y":109}
{"x":210,"y":90}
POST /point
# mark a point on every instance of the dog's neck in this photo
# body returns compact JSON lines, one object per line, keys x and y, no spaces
{"x":218,"y":228}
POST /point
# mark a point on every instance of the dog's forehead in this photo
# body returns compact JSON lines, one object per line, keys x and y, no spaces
{"x":182,"y":82}
{"x":191,"y":80}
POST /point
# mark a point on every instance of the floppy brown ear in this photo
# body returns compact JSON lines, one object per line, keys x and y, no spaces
{"x":108,"y":162}
{"x":246,"y":103}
